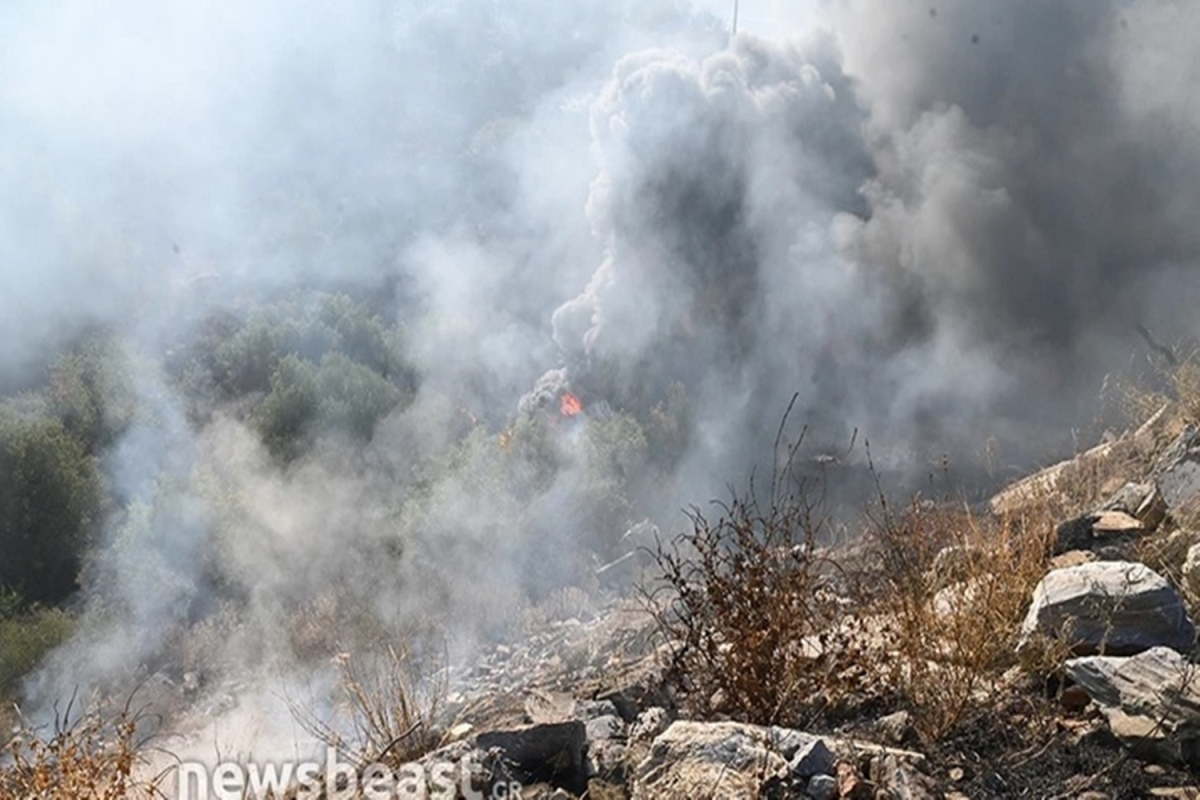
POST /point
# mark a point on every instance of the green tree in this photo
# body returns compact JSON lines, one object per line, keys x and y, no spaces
{"x":50,"y":501}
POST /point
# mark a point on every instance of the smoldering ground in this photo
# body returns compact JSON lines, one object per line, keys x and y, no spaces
{"x":935,"y":222}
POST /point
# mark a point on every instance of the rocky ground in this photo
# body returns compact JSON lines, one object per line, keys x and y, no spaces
{"x":586,"y":707}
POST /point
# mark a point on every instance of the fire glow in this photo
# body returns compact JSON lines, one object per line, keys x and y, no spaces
{"x":570,"y":405}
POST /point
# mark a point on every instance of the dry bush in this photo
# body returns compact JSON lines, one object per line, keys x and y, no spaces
{"x":96,"y":755}
{"x":923,"y":613}
{"x":753,"y":605}
{"x":745,"y":592}
{"x":955,"y":589}
{"x":392,"y":702}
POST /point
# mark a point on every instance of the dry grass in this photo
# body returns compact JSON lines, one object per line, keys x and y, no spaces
{"x":96,"y":755}
{"x":1176,"y":381}
{"x":391,"y":706}
{"x":956,"y":588}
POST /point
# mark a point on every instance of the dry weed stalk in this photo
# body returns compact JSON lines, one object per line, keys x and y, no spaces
{"x":94,"y":755}
{"x":392,"y":705}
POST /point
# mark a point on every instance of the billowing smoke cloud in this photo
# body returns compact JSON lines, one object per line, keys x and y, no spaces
{"x":935,"y":222}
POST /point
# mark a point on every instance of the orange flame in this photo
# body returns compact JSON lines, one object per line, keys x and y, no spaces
{"x":570,"y":405}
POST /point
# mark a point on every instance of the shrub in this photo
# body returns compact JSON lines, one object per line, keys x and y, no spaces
{"x":26,"y":635}
{"x":89,"y":390}
{"x":751,"y":602}
{"x":93,"y":755}
{"x":954,"y":590}
{"x":770,"y":625}
{"x":392,"y":705}
{"x":245,"y":360}
{"x":49,"y":504}
{"x":337,"y":395}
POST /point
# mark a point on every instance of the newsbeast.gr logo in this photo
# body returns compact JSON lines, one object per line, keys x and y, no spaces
{"x":438,"y":780}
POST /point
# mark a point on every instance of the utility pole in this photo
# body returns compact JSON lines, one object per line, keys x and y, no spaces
{"x":735,"y":16}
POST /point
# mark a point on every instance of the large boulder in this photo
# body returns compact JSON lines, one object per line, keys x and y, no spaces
{"x":1109,"y":607}
{"x":1151,"y":700}
{"x":552,"y":752}
{"x":735,"y":760}
{"x":713,"y":759}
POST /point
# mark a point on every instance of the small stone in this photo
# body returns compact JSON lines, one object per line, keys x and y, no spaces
{"x":1075,"y":698}
{"x":650,"y":723}
{"x":593,"y":709}
{"x":609,"y":727}
{"x":897,"y":728}
{"x":1073,"y":558}
{"x":459,"y":731}
{"x":1110,"y":522}
{"x":814,"y":758}
{"x":822,"y":787}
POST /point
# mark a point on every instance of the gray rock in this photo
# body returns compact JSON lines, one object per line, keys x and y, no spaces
{"x":650,"y":723}
{"x":822,"y":787}
{"x":593,"y":709}
{"x":1178,"y":471}
{"x":708,"y":759}
{"x":1191,"y":570}
{"x":1109,"y":607}
{"x":815,"y":758}
{"x":897,"y":728}
{"x":1143,"y":501}
{"x":789,"y":741}
{"x":608,"y":727}
{"x":608,"y":759}
{"x":900,"y":779}
{"x":542,"y":752}
{"x":1151,"y":700}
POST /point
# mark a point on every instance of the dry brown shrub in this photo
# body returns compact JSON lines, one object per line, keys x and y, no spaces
{"x":753,"y":604}
{"x":391,"y":702}
{"x":98,"y":755}
{"x":924,"y":613}
{"x":956,"y":588}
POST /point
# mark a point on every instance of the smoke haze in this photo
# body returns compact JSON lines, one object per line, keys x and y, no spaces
{"x":936,"y":222}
